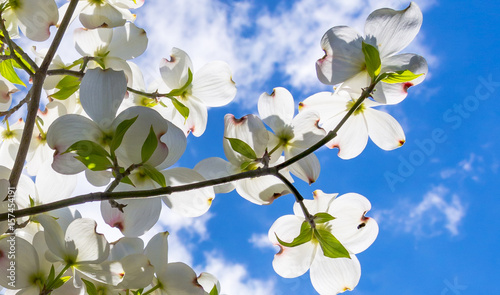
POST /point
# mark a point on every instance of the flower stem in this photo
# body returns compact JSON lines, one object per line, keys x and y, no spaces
{"x":298,"y":198}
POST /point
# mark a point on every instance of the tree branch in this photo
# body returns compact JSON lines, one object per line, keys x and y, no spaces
{"x":91,"y":197}
{"x":34,"y":103}
{"x":18,"y":106}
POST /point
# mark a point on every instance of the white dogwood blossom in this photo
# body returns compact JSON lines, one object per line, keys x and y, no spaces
{"x":112,"y":47}
{"x":211,"y":86}
{"x":104,"y":13}
{"x":387,"y":30}
{"x":250,"y":130}
{"x":365,"y":122}
{"x":350,"y":227}
{"x":292,"y":135}
{"x":33,"y":17}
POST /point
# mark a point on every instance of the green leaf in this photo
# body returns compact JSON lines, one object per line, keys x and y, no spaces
{"x":120,"y":131}
{"x":16,"y":65}
{"x":67,"y":86}
{"x":330,"y":245}
{"x":242,"y":148}
{"x":400,"y":77}
{"x":154,"y":174}
{"x":60,"y":282}
{"x":181,"y":108}
{"x":86,"y":148}
{"x":306,"y":234}
{"x":138,"y":292}
{"x":75,"y":63}
{"x":180,"y":91}
{"x":214,"y":290}
{"x":52,"y":275}
{"x":322,"y":217}
{"x":91,"y":289}
{"x":372,"y":59}
{"x":127,"y":180}
{"x":8,"y":72}
{"x":149,"y":145}
{"x":95,"y":162}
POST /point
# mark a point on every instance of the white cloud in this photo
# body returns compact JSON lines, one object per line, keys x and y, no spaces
{"x":261,"y":241}
{"x":234,"y":277}
{"x":255,"y":42}
{"x":437,"y":211}
{"x":470,"y":167}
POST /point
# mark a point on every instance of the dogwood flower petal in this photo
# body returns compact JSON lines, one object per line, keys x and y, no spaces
{"x":128,"y":41}
{"x":107,"y":272}
{"x":351,"y":146}
{"x":320,"y":203}
{"x":101,"y":93}
{"x":101,"y":15}
{"x":92,"y":42}
{"x":384,"y":130}
{"x":174,"y":72}
{"x":261,"y":190}
{"x":26,"y":262}
{"x":137,"y":217}
{"x":190,"y":203}
{"x":45,"y":180}
{"x":36,"y":17}
{"x":179,"y":279}
{"x":6,"y":89}
{"x":214,"y":167}
{"x":334,"y":275}
{"x":157,"y":251}
{"x":290,"y":262}
{"x":307,"y":168}
{"x":208,"y":281}
{"x":129,"y":151}
{"x":248,"y":129}
{"x":394,"y":93}
{"x":90,"y":246}
{"x":391,"y":30}
{"x":276,"y":109}
{"x":350,"y":226}
{"x":65,"y":131}
{"x":125,"y":246}
{"x":343,"y":56}
{"x":176,"y":143}
{"x":213,"y":84}
{"x":138,"y":272}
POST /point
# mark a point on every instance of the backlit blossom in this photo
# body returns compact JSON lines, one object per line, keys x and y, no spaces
{"x":351,"y":228}
{"x":387,"y":30}
{"x":365,"y":122}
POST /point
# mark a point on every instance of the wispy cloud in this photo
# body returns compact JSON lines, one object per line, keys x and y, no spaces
{"x":234,"y":277}
{"x":261,"y":241}
{"x":470,"y":167}
{"x":438,"y":211}
{"x":256,"y":42}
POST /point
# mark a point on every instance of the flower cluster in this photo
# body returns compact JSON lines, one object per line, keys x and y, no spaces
{"x":102,"y":119}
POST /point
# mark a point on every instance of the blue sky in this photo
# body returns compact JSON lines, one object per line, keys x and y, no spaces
{"x":436,"y":216}
{"x":435,"y":199}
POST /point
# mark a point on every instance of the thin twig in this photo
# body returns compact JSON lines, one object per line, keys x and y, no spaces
{"x":18,"y":106}
{"x":298,"y":198}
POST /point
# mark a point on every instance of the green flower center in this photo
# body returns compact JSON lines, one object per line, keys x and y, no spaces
{"x":359,"y":110}
{"x":96,"y":2}
{"x":15,"y":4}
